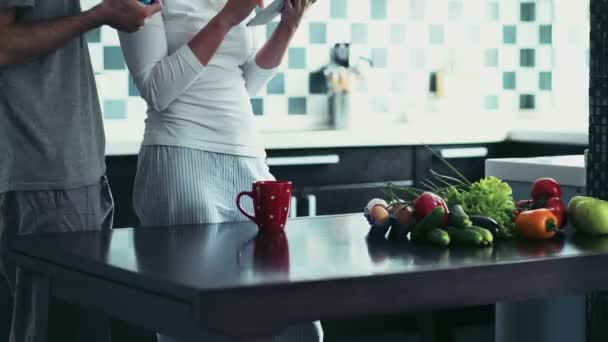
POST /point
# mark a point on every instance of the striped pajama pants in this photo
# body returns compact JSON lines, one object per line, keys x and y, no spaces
{"x":177,"y":185}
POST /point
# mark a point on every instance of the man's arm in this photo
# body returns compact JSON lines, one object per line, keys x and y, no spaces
{"x":22,"y":42}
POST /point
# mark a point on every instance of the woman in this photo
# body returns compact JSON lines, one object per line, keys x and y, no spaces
{"x":197,"y":65}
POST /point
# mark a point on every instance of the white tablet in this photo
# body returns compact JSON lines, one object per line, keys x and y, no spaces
{"x":266,"y":15}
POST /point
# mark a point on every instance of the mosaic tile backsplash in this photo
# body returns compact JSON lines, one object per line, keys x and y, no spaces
{"x":497,"y":57}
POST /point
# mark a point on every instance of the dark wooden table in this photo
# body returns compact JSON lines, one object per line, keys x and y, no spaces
{"x":230,"y":280}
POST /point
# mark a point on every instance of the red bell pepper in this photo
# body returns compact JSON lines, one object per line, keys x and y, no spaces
{"x":557,"y":207}
{"x":425,"y":204}
{"x":545,"y":188}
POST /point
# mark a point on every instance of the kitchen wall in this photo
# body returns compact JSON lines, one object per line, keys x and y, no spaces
{"x":492,"y":58}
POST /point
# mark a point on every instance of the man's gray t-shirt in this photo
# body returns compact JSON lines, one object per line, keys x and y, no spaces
{"x":51,"y":128}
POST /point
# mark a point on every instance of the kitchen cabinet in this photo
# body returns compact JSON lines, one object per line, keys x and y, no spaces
{"x":340,"y":180}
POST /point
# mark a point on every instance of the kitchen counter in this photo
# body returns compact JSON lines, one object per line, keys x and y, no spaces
{"x":126,"y":139}
{"x":568,"y":170}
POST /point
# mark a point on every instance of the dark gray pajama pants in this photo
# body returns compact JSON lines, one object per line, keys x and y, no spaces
{"x":88,"y":208}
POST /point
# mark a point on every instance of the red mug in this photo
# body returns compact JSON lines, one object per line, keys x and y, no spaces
{"x":271,"y":201}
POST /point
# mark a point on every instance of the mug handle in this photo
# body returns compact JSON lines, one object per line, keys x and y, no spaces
{"x":238,"y":204}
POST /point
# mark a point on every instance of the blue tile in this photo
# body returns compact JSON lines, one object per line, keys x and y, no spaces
{"x":359,"y":33}
{"x":94,"y":36}
{"x":297,"y":58}
{"x":132,"y":88}
{"x":527,"y":11}
{"x":338,"y":9}
{"x":493,"y":11}
{"x":455,"y":10}
{"x":115,"y":109}
{"x":509,"y":34}
{"x":270,"y":28}
{"x":545,"y":81}
{"x":397,"y":33}
{"x":276,"y":85}
{"x":527,"y":58}
{"x":491,"y":102}
{"x":436,"y":34}
{"x":545,"y":34}
{"x":509,"y":80}
{"x":113,"y":58}
{"x":297,"y":105}
{"x":378,"y":9}
{"x":318,"y":33}
{"x":491,"y":59}
{"x":527,"y":101}
{"x":417,"y":9}
{"x":379,"y":57}
{"x":257,"y":105}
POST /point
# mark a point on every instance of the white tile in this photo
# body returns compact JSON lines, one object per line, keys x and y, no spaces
{"x":417,"y":35}
{"x":437,"y":11}
{"x":317,"y":56}
{"x":508,"y":58}
{"x":544,"y":11}
{"x":359,"y":10}
{"x":378,"y":82}
{"x":96,"y":52}
{"x":398,"y":10}
{"x":398,"y":58}
{"x":474,"y":11}
{"x":437,"y":58}
{"x":319,"y":11}
{"x":491,"y":35}
{"x":508,"y":101}
{"x":137,"y":107}
{"x":338,"y":32}
{"x":296,"y":83}
{"x":544,"y":101}
{"x":527,"y":80}
{"x":113,"y":84}
{"x":318,"y":105}
{"x":509,"y":11}
{"x":109,"y":36}
{"x":88,"y":4}
{"x":527,"y":34}
{"x":378,"y":34}
{"x":275,"y":105}
{"x":302,"y":37}
{"x":544,"y":57}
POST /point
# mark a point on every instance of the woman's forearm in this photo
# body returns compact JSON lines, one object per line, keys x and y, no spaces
{"x":273,"y":52}
{"x":207,"y":41}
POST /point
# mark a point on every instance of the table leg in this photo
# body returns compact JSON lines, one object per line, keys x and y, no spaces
{"x":434,"y":327}
{"x":31,"y":306}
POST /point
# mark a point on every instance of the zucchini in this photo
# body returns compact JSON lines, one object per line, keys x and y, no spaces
{"x":438,"y":237}
{"x":458,"y":217}
{"x":432,"y":220}
{"x":465,"y":236}
{"x":487,"y":223}
{"x":487,"y":236}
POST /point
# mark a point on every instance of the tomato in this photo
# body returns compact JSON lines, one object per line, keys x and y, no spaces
{"x":545,"y":188}
{"x":425,"y":204}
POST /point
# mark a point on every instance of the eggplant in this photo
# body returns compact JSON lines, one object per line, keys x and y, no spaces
{"x":487,"y":223}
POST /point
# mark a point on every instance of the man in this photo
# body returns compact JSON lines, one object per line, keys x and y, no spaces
{"x":52,"y":141}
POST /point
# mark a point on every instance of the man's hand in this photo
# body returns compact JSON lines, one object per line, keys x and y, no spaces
{"x":294,"y":11}
{"x":126,"y":15}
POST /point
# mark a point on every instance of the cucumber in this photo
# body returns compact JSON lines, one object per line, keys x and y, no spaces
{"x":465,"y":236}
{"x":486,"y":234}
{"x":432,"y":220}
{"x":438,"y":237}
{"x":459,"y":218}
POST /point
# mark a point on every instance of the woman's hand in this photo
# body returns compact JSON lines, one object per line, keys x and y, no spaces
{"x":294,"y":11}
{"x":235,"y":11}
